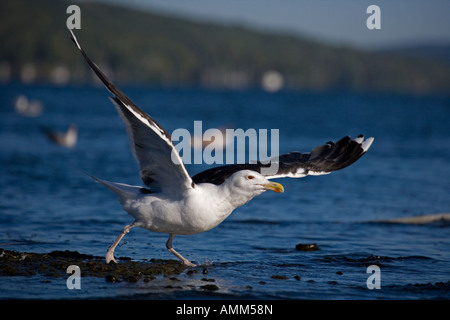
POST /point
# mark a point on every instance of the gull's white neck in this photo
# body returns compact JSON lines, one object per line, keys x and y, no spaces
{"x":221,"y":200}
{"x":236,"y":195}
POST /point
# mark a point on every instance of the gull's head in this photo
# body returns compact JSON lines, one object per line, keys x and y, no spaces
{"x":246,"y":184}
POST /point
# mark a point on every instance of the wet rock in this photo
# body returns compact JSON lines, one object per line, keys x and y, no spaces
{"x":279,"y":277}
{"x":70,"y":254}
{"x":173,"y":287}
{"x":55,"y":263}
{"x":148,"y":279}
{"x":112,"y":278}
{"x":307,"y":247}
{"x":131,"y":278}
{"x":124,"y":258}
{"x":210,"y":287}
{"x":10,"y":271}
{"x":191,"y":272}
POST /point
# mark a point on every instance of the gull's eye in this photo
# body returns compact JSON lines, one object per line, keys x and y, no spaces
{"x":250,"y":177}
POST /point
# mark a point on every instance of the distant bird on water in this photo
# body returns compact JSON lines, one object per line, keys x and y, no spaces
{"x":173,"y":202}
{"x":28,"y":108}
{"x":66,"y":139}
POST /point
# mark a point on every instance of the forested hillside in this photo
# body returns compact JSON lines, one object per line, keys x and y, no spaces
{"x":141,"y":47}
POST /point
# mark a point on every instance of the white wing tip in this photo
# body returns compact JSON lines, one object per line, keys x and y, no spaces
{"x":365,"y":145}
{"x":74,"y":39}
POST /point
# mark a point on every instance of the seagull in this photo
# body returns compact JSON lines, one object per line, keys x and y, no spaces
{"x":28,"y":108}
{"x":175,"y":203}
{"x":66,"y":139}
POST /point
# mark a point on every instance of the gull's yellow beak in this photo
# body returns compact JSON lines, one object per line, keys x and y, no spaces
{"x":274,"y":186}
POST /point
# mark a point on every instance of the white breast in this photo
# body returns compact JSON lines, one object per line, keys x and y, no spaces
{"x":199,"y":210}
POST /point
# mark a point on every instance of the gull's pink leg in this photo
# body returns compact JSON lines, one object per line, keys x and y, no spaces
{"x":185,"y":261}
{"x":110,"y":253}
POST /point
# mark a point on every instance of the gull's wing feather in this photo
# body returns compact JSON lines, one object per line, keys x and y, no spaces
{"x":161,"y":167}
{"x":321,"y":160}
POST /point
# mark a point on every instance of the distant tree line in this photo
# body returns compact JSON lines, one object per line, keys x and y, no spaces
{"x":141,"y":47}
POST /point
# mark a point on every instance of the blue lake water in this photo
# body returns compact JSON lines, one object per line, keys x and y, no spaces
{"x":47,"y":202}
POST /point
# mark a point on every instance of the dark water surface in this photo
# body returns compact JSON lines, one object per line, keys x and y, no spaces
{"x":48,"y":203}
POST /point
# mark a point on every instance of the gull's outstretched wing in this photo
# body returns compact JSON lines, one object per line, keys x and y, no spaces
{"x":160,"y":164}
{"x":321,"y":160}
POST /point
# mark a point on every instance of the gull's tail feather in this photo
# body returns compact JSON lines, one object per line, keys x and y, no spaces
{"x":124,"y":191}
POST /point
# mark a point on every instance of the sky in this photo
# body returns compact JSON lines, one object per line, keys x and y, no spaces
{"x":342,"y":22}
